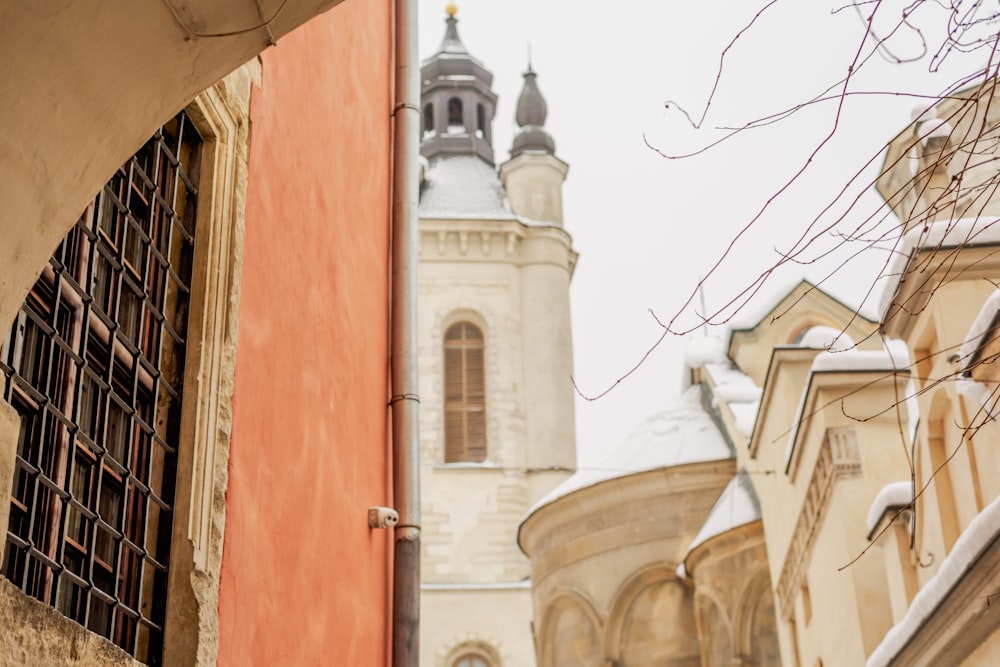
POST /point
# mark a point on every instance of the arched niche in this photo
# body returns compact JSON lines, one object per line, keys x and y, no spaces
{"x":570,"y":634}
{"x":756,"y":633}
{"x":652,"y":622}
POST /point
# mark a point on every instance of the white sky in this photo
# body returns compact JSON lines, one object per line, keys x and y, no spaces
{"x":647,"y":227}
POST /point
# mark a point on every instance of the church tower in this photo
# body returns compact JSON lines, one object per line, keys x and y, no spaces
{"x":497,"y":419}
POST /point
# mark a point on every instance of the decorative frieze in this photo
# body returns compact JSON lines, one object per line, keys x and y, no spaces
{"x":839,"y":456}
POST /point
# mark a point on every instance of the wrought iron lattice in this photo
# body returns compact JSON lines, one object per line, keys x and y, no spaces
{"x":94,"y":366}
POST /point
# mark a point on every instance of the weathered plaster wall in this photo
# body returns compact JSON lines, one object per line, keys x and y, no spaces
{"x":37,"y":635}
{"x":309,"y":435}
{"x":85,"y":84}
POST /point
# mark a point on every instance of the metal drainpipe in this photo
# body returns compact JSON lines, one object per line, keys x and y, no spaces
{"x":403,"y":331}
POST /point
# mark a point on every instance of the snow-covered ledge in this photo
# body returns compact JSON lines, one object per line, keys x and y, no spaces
{"x":891,"y":498}
{"x":893,"y":358}
{"x":938,"y":235}
{"x":980,"y":327}
{"x":957,"y":598}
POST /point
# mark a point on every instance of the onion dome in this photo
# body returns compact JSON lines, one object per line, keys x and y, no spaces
{"x":531,"y":114}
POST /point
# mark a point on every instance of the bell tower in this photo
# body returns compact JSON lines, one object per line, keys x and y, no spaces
{"x":457,"y":100}
{"x":497,"y":429}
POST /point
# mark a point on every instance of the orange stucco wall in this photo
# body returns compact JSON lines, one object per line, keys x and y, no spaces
{"x":303,"y":578}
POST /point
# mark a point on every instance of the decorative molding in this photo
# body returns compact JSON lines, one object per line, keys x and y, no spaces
{"x":839,"y":456}
{"x":487,"y":647}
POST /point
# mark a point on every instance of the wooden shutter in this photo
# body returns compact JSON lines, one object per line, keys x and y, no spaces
{"x":464,"y":394}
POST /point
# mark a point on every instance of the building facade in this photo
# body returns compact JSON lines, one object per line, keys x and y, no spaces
{"x":195,"y":386}
{"x":497,"y":421}
{"x":854,"y":516}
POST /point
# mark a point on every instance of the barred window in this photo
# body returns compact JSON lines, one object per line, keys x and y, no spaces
{"x":94,"y":366}
{"x":464,"y":394}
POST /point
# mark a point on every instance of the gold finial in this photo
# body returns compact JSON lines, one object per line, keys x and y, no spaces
{"x":451,"y":9}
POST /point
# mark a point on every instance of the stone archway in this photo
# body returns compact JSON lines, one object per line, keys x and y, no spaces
{"x":85,"y":83}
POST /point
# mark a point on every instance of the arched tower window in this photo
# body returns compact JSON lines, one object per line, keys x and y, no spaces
{"x":456,"y":120}
{"x":464,"y":394}
{"x":428,"y":119}
{"x":471,"y":661}
{"x":480,"y":121}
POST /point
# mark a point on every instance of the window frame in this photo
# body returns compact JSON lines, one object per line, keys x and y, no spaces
{"x":93,"y":359}
{"x":221,"y":115}
{"x":467,"y":401}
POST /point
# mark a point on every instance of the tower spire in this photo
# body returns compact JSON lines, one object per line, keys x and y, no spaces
{"x":457,"y":99}
{"x":531,"y":114}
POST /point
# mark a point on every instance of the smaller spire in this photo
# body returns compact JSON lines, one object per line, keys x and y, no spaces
{"x":531,"y":107}
{"x":451,"y":43}
{"x":531,"y":114}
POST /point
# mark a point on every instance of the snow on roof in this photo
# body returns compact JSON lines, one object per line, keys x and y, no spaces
{"x":980,"y":533}
{"x":826,"y":338}
{"x":977,"y":392}
{"x":979,"y":328}
{"x":755,"y":310}
{"x":738,"y":392}
{"x":463,"y":187}
{"x":940,"y":234}
{"x":966,"y":386}
{"x":731,"y":384}
{"x":681,"y":433}
{"x":745,"y":416}
{"x":894,"y":495}
{"x":737,"y":506}
{"x":701,"y":350}
{"x":894,"y":357}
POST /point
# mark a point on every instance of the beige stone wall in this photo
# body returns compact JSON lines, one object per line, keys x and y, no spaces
{"x":493,"y":621}
{"x":36,"y":635}
{"x":938,"y":181}
{"x":512,"y":281}
{"x":534,"y":186}
{"x":733,"y":599}
{"x":603,"y":567}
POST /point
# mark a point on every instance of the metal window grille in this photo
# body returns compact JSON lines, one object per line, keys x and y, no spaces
{"x":464,"y":394}
{"x":94,"y":365}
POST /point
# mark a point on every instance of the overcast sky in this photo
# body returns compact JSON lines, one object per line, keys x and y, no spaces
{"x":647,"y":227}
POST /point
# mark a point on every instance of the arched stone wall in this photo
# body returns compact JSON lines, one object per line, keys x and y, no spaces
{"x":652,"y":622}
{"x":755,"y":636}
{"x":570,"y":633}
